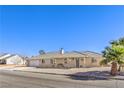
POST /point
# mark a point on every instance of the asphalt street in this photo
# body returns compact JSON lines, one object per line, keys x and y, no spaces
{"x":16,"y":79}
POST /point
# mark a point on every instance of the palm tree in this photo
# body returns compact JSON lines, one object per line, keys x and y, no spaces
{"x":115,"y":54}
{"x":118,"y":42}
{"x":41,"y":52}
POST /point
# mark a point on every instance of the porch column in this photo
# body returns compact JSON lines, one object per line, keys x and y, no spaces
{"x":84,"y":62}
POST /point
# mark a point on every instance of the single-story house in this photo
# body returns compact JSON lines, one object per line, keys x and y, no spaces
{"x":12,"y":59}
{"x":61,"y":59}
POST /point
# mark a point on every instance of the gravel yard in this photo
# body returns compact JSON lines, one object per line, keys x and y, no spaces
{"x":58,"y":71}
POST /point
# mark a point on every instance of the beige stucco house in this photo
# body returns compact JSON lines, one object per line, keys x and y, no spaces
{"x":61,"y":59}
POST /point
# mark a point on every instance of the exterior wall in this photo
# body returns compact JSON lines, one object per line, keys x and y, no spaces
{"x":90,"y":63}
{"x":15,"y":60}
{"x":59,"y":62}
{"x":82,"y":62}
{"x":47,"y":63}
{"x":71,"y":62}
{"x":99,"y":59}
{"x":55,"y":63}
{"x":65,"y":62}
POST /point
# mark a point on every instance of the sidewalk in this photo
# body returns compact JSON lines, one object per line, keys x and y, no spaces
{"x":57,"y":71}
{"x":6,"y":66}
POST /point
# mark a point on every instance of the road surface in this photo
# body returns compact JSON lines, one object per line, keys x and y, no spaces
{"x":16,"y":79}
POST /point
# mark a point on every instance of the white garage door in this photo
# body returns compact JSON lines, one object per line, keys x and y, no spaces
{"x":34,"y":63}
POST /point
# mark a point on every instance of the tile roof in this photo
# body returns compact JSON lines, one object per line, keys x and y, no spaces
{"x":8,"y":56}
{"x":56,"y":54}
{"x":92,"y":54}
{"x":3,"y":54}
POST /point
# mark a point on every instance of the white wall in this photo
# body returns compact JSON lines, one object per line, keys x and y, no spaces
{"x":15,"y":60}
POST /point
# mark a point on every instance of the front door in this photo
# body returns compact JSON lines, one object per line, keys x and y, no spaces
{"x":77,"y":63}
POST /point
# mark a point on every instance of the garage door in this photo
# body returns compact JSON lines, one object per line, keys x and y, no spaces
{"x":34,"y":63}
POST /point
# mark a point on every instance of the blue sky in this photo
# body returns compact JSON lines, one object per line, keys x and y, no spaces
{"x":27,"y":29}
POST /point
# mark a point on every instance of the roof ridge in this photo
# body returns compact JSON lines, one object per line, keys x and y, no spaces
{"x":79,"y":52}
{"x":93,"y":52}
{"x":4,"y":54}
{"x":9,"y":56}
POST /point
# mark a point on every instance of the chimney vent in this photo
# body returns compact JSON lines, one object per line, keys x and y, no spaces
{"x":61,"y":51}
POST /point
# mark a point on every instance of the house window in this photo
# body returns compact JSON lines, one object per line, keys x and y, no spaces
{"x":3,"y":61}
{"x":71,"y":59}
{"x":94,"y":60}
{"x":81,"y":66}
{"x":82,"y":59}
{"x":65,"y":60}
{"x":43,"y":61}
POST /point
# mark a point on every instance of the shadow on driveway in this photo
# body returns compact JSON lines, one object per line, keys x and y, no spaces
{"x":91,"y":75}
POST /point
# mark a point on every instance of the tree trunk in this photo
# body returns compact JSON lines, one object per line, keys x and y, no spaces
{"x":114,"y":69}
{"x":119,"y":69}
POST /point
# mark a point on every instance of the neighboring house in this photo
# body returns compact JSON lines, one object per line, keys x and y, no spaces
{"x":4,"y":55}
{"x":12,"y":59}
{"x":73,"y":59}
